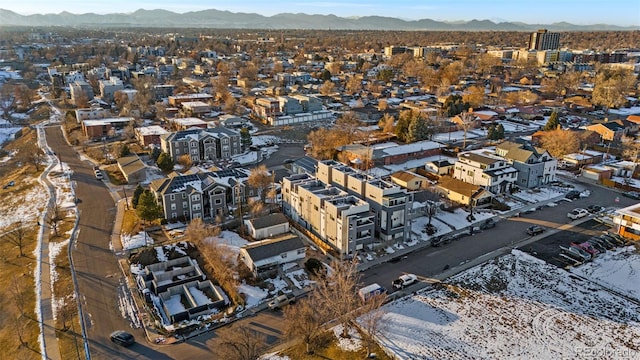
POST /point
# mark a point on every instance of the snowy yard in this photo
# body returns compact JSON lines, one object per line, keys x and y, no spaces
{"x":516,"y":306}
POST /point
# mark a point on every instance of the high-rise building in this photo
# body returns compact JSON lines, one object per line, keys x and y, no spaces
{"x":544,"y":40}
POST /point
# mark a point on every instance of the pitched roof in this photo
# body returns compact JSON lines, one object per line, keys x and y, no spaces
{"x":457,"y":186}
{"x":477,"y":158}
{"x":268,"y":221}
{"x":265,"y":249}
{"x":130,"y":164}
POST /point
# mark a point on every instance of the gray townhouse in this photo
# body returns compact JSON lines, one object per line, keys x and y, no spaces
{"x":202,"y":144}
{"x":339,"y":221}
{"x":186,"y":197}
{"x":535,"y":165}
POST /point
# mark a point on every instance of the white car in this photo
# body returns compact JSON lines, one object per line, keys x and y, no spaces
{"x":577,"y":213}
{"x":404,"y":280}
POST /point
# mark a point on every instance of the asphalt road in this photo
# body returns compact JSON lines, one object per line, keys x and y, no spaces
{"x":431,"y":261}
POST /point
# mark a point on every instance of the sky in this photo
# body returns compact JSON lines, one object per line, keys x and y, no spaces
{"x":579,"y":12}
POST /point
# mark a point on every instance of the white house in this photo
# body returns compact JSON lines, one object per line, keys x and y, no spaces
{"x":263,"y":257}
{"x":268,"y":226}
{"x":491,"y":172}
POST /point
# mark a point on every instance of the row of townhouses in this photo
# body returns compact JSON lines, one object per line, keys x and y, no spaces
{"x":202,"y":144}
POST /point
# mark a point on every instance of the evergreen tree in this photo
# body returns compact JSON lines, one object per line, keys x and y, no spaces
{"x":136,"y":196}
{"x":147,"y":208}
{"x":402,"y":126}
{"x":155,"y":153}
{"x":418,"y":129}
{"x":491,"y":132}
{"x":454,"y":105}
{"x":124,"y":150}
{"x":552,"y":123}
{"x":164,"y":162}
{"x":245,"y":138}
{"x":499,"y":132}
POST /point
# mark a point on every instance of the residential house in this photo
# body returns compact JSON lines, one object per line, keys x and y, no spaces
{"x":463,"y":193}
{"x":81,"y":92}
{"x":196,"y":108}
{"x":440,"y":167}
{"x":177,"y":100}
{"x":188,"y":123}
{"x":149,"y":135}
{"x":202,"y":144}
{"x":95,"y":129}
{"x":608,"y":131}
{"x":133,"y":169}
{"x":535,"y":165}
{"x":389,"y":152}
{"x":495,"y":174}
{"x":109,"y":87}
{"x":268,"y":226}
{"x":263,"y":257}
{"x":190,"y":196}
{"x":409,"y":180}
{"x":94,"y":113}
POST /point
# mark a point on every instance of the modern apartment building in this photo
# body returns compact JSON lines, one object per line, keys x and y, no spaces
{"x":202,"y":144}
{"x":544,"y":40}
{"x":341,"y":221}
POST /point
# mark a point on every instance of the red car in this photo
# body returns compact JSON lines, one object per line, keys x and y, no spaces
{"x":586,"y":247}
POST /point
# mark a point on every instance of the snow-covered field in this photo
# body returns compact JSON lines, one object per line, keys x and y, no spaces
{"x":617,"y":270}
{"x":515,"y":307}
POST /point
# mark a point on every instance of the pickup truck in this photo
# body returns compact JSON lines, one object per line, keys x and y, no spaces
{"x":281,"y":300}
{"x":404,"y":280}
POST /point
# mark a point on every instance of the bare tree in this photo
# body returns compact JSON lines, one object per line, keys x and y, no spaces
{"x":338,"y":292}
{"x":256,"y":207}
{"x":17,"y":235}
{"x":240,"y":343}
{"x":560,"y":142}
{"x":327,"y":88}
{"x":260,"y":179}
{"x":371,"y":320}
{"x":55,"y":216}
{"x":468,"y":121}
{"x":185,"y":160}
{"x":306,"y":319}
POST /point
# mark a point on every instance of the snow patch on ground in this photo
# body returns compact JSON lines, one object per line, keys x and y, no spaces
{"x":515,"y":306}
{"x":617,"y":269}
{"x":140,"y":239}
{"x":352,"y":343}
{"x":252,"y":295}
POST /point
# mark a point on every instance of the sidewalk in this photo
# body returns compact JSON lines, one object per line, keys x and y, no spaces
{"x":48,"y":323}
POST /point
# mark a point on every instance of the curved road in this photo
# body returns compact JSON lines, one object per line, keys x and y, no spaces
{"x":98,"y":272}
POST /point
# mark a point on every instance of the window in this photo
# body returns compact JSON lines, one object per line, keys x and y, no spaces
{"x":194,"y":144}
{"x":185,"y":204}
{"x":172,"y":197}
{"x":195,"y":197}
{"x":300,"y":251}
{"x":283,"y":255}
{"x":184,"y":195}
{"x":218,"y":201}
{"x":173,"y":206}
{"x":195,"y":207}
{"x":174,"y":215}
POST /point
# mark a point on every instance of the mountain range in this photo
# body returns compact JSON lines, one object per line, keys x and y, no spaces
{"x":229,"y":20}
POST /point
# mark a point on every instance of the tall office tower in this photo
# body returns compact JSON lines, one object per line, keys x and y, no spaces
{"x":543,"y":40}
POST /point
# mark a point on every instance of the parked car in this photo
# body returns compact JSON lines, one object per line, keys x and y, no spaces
{"x":597,"y":245}
{"x":122,"y":338}
{"x":585,"y":256}
{"x":577,"y":213}
{"x":594,"y":209}
{"x":488,"y":224}
{"x":534,"y":230}
{"x":572,"y":195}
{"x":404,"y":280}
{"x":99,"y":176}
{"x":280,"y":301}
{"x":9,"y":184}
{"x":586,"y":247}
{"x":632,"y":194}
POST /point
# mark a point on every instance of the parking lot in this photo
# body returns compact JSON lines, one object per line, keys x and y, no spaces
{"x":548,"y":248}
